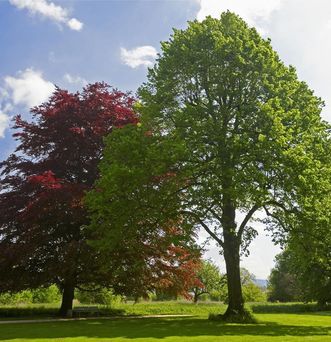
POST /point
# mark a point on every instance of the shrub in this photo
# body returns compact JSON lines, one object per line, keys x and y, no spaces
{"x":102,"y":296}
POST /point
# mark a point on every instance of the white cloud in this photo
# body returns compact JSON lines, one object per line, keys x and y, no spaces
{"x":300,"y":33}
{"x":77,"y":80}
{"x":75,"y":24}
{"x":252,"y":11}
{"x":29,"y":88}
{"x":4,"y":121}
{"x":142,"y":55}
{"x":49,"y":10}
{"x":5,"y":108}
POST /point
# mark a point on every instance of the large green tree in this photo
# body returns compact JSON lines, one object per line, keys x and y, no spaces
{"x":308,"y":251}
{"x":227,"y":130}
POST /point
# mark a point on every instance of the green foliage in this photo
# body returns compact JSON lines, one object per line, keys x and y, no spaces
{"x":210,"y":280}
{"x":287,"y":308}
{"x":101,"y":296}
{"x":49,"y":294}
{"x":22,"y":297}
{"x":28,"y":311}
{"x":226,"y":127}
{"x":219,"y":296}
{"x":310,"y":247}
{"x":303,"y":270}
{"x":283,"y":284}
{"x":202,"y":309}
{"x":253,"y":293}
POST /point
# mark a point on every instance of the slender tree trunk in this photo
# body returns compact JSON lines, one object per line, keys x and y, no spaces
{"x":196,"y":297}
{"x":67,"y":299}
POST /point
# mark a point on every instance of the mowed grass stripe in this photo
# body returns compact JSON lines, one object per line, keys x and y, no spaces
{"x":272,"y":327}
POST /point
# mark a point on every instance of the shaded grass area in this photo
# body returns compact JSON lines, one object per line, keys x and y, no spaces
{"x":272,"y":327}
{"x":45,"y":311}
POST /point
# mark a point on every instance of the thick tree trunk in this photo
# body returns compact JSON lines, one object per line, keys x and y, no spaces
{"x":232,"y":262}
{"x":67,"y":299}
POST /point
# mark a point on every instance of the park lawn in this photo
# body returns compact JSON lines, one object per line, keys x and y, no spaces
{"x":271,"y":327}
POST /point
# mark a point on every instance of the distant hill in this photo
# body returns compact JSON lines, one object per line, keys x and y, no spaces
{"x":263,"y":283}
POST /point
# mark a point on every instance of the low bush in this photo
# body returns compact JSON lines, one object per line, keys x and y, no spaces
{"x":41,"y":295}
{"x":287,"y":308}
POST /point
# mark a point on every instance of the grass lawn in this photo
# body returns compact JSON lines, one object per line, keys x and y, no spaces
{"x":271,"y":327}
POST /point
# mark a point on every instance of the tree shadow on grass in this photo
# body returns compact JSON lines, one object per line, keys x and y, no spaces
{"x":132,"y":328}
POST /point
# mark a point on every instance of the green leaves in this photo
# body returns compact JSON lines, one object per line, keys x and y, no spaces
{"x":226,"y":128}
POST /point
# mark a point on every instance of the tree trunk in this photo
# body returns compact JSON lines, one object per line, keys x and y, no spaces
{"x":322,"y":304}
{"x":232,"y":262}
{"x":67,"y":299}
{"x":196,"y":297}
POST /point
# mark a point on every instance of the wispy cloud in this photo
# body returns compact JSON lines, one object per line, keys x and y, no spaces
{"x":49,"y":10}
{"x":4,"y":121}
{"x":253,"y":11}
{"x":28,"y":88}
{"x":142,"y":55}
{"x":76,"y":80}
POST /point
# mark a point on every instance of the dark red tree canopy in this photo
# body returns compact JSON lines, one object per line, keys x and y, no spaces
{"x":43,"y":220}
{"x":43,"y":183}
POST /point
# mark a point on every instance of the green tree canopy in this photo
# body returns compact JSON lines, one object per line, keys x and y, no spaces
{"x":210,"y":279}
{"x":227,"y":130}
{"x":283,"y":284}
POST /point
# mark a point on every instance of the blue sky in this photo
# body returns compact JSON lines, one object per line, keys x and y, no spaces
{"x":71,"y":43}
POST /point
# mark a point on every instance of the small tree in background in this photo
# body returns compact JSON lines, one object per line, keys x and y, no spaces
{"x":283,"y":284}
{"x":251,"y":292}
{"x":210,"y":280}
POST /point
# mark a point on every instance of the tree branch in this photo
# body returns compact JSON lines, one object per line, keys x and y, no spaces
{"x":257,"y":207}
{"x":207,"y":229}
{"x":215,"y":215}
{"x":280,"y":205}
{"x":274,"y":217}
{"x":247,"y":218}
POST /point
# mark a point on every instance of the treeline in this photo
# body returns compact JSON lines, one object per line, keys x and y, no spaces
{"x":292,"y":280}
{"x":211,"y":287}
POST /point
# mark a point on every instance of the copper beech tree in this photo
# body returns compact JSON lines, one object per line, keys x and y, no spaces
{"x":42,"y":186}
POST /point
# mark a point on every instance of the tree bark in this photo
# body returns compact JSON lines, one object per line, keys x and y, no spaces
{"x":232,"y":262}
{"x":196,"y":297}
{"x":67,"y":299}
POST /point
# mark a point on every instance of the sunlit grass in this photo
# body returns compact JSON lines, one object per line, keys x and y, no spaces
{"x":272,"y":327}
